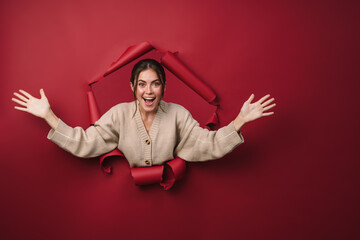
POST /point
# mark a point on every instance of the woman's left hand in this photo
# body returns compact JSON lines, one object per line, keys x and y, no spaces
{"x":252,"y":111}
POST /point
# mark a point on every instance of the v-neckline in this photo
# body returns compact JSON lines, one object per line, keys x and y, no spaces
{"x":144,"y":123}
{"x":154,"y":128}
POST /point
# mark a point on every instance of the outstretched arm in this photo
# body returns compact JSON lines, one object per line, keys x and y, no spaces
{"x":38,"y":107}
{"x":252,"y":111}
{"x":94,"y":141}
{"x":197,"y":144}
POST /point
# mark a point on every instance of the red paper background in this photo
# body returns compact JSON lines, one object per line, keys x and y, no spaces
{"x":296,"y":176}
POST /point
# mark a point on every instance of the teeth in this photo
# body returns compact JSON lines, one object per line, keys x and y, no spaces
{"x":149,"y":99}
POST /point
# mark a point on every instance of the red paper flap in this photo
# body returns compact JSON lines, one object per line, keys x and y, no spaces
{"x":174,"y":65}
{"x":147,"y":175}
{"x":129,"y":55}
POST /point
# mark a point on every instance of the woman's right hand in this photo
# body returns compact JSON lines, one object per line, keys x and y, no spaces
{"x":39,"y":107}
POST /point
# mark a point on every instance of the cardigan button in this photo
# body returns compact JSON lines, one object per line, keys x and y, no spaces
{"x":147,"y":162}
{"x":147,"y":142}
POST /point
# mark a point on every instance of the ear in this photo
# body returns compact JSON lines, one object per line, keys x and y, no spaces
{"x":132,"y":87}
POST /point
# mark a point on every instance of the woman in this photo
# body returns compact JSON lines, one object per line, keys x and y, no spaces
{"x":147,"y":131}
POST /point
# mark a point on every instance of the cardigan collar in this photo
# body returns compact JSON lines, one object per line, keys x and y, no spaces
{"x":144,"y":135}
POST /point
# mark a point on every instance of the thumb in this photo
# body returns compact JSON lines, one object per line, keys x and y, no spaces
{"x":42,"y":93}
{"x":251,"y":98}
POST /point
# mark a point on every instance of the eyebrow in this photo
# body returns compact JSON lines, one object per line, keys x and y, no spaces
{"x":151,"y":81}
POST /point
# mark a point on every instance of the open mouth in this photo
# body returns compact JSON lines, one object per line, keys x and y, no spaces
{"x":149,"y":101}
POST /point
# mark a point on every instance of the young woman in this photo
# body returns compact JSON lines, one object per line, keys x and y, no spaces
{"x":147,"y":131}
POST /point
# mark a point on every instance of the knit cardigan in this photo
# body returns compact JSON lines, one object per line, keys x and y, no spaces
{"x":174,"y":133}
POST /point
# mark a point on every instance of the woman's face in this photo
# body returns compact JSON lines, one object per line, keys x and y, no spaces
{"x":148,"y":91}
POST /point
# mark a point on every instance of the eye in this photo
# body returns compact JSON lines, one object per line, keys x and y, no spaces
{"x":141,"y":84}
{"x":156,"y":84}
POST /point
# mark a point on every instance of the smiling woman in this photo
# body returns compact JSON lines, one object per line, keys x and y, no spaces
{"x":148,"y":84}
{"x":147,"y":131}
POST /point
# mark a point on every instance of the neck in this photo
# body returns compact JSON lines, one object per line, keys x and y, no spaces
{"x":147,"y":115}
{"x":147,"y":118}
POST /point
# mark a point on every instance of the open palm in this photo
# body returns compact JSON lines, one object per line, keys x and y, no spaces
{"x":252,"y":111}
{"x":36,"y":106}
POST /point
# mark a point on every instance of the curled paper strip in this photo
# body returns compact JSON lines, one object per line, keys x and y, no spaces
{"x":174,"y":65}
{"x":173,"y":170}
{"x":212,"y":122}
{"x":166,"y":174}
{"x":93,"y":108}
{"x":94,"y":116}
{"x":130,"y":54}
{"x":106,"y":167}
{"x":147,"y":175}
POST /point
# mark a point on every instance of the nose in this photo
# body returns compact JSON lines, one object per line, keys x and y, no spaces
{"x":148,"y":89}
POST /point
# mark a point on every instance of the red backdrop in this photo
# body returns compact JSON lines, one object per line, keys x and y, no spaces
{"x":296,"y":175}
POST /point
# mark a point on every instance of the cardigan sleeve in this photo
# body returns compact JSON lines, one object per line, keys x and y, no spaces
{"x":96,"y":140}
{"x":199,"y":144}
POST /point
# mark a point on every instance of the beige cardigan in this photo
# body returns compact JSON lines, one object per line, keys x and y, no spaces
{"x":174,"y":133}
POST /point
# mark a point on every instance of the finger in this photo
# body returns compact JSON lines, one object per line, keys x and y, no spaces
{"x":251,"y":98}
{"x":21,"y":108}
{"x":21,"y":97}
{"x":269,"y":107}
{"x":267,"y":102}
{"x":42,"y":93}
{"x":264,"y":98}
{"x":19,"y":102}
{"x":267,"y":114}
{"x":26,"y":94}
